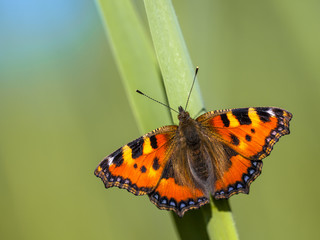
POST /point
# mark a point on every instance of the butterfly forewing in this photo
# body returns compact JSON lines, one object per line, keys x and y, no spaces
{"x":138,"y":165}
{"x":252,"y":132}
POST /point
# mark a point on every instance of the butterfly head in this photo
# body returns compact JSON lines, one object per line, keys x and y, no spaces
{"x":183,"y":115}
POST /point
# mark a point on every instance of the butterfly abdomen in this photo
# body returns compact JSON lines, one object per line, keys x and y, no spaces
{"x":200,"y":167}
{"x":189,"y":131}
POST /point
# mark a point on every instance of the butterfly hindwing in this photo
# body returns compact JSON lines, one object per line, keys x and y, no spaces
{"x":238,"y":177}
{"x":138,"y":165}
{"x":174,"y":194}
{"x":251,"y":132}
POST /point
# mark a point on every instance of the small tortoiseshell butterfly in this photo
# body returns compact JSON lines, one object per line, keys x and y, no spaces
{"x":180,"y":167}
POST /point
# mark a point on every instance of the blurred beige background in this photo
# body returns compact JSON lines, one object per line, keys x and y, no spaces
{"x":63,"y":108}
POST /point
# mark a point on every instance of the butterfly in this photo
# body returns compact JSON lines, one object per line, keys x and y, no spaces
{"x":179,"y":167}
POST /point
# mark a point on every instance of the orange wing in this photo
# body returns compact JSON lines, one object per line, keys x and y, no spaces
{"x":138,"y":165}
{"x":252,"y":132}
{"x":172,"y":194}
{"x":248,"y":136}
{"x":238,"y":177}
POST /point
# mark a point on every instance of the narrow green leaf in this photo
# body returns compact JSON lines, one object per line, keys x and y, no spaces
{"x":173,"y":57}
{"x":136,"y":61}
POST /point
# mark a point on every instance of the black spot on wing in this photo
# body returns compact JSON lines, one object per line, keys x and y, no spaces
{"x":153,"y":141}
{"x":234,"y":139}
{"x":156,"y":164}
{"x":242,"y":116}
{"x":263,"y":114}
{"x":248,"y":138}
{"x":143,"y":169}
{"x":136,"y":147}
{"x":225,"y":120}
{"x":117,"y":157}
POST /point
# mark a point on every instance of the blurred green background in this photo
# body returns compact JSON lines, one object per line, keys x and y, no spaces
{"x":63,"y":108}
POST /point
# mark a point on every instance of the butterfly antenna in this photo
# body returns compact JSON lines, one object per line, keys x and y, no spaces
{"x":156,"y":101}
{"x":194,"y":79}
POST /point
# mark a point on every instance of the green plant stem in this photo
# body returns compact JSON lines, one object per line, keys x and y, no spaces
{"x":177,"y":71}
{"x":221,"y":225}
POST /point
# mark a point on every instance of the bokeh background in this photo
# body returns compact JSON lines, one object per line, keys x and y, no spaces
{"x":63,"y":108}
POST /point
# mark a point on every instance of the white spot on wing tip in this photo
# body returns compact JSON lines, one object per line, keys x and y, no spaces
{"x":110,"y":161}
{"x":270,"y":112}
